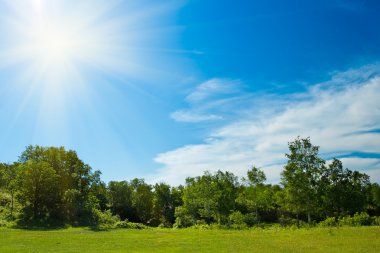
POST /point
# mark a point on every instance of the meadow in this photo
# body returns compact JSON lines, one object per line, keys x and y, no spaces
{"x":343,"y":239}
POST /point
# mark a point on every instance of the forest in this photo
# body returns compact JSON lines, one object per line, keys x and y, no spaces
{"x":52,"y":186}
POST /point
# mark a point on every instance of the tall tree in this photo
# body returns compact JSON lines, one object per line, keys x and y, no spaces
{"x":76,"y":182}
{"x":343,"y":191}
{"x":200,"y":197}
{"x":301,"y":176}
{"x":142,"y":200}
{"x":256,"y":195}
{"x":165,"y":200}
{"x":38,"y":188}
{"x":227,"y":187}
{"x":9,"y":184}
{"x":120,"y":199}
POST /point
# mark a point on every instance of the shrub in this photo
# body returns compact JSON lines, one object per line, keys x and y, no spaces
{"x":183,"y":219}
{"x":165,"y":225}
{"x":104,"y":220}
{"x":376,"y":221}
{"x":237,"y":220}
{"x":202,"y":227}
{"x":217,"y":226}
{"x":329,"y":222}
{"x":359,"y":219}
{"x":287,"y":221}
{"x":129,"y":225}
{"x":250,"y":219}
{"x":3,"y":223}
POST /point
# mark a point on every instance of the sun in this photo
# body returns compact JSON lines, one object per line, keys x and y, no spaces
{"x":54,"y":44}
{"x":60,"y":57}
{"x":50,"y":38}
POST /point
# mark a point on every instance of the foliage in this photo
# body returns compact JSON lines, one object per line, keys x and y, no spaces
{"x":237,"y":220}
{"x":183,"y":218}
{"x":142,"y":200}
{"x":376,"y":221}
{"x":38,"y":190}
{"x":51,"y":186}
{"x":343,"y":191}
{"x":358,"y":219}
{"x":120,"y":198}
{"x":129,"y":225}
{"x":251,"y":219}
{"x":300,"y":176}
{"x":104,"y":220}
{"x":329,"y":222}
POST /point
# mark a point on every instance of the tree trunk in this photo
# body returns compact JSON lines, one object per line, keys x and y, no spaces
{"x":298,"y":221}
{"x":308,"y":217}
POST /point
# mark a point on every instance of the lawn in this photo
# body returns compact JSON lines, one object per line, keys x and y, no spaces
{"x":346,"y":239}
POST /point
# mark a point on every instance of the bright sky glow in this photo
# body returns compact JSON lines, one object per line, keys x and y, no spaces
{"x":168,"y":89}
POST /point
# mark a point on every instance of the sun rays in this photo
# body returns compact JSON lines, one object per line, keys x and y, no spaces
{"x":57,"y":52}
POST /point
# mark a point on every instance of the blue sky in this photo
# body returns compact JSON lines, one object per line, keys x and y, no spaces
{"x":165,"y":90}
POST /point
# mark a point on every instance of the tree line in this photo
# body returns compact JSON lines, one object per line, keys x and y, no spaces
{"x":49,"y":185}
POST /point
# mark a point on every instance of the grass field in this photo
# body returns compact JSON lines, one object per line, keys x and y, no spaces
{"x":346,"y":239}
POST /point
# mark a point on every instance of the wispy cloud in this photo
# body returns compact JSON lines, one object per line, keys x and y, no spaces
{"x":188,"y":116}
{"x":341,"y":116}
{"x":213,"y":88}
{"x":211,"y":100}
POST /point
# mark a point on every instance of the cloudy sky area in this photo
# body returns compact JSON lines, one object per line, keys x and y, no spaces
{"x":341,"y":116}
{"x":166,"y":90}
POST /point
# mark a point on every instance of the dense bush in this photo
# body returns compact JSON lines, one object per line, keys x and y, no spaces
{"x":251,"y":219}
{"x":359,"y":219}
{"x":3,"y":223}
{"x":237,"y":220}
{"x":129,"y":225}
{"x":105,"y":220}
{"x":329,"y":222}
{"x":183,"y":219}
{"x":376,"y":221}
{"x":287,"y":221}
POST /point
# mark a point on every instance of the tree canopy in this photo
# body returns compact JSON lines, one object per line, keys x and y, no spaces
{"x":49,"y":185}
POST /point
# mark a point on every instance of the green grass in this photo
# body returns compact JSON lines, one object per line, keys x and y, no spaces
{"x":345,"y":239}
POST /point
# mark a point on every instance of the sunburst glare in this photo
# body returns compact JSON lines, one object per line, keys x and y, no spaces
{"x":55,"y":48}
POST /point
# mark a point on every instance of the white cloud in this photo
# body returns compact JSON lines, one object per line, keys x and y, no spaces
{"x":209,"y":100}
{"x":188,"y":116}
{"x":339,"y":116}
{"x":212,"y":88}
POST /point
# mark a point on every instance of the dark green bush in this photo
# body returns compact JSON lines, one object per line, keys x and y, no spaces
{"x":129,"y":225}
{"x":329,"y":222}
{"x":359,"y":219}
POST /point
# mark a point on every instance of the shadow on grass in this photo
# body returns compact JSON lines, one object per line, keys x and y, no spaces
{"x":48,"y":226}
{"x":40,"y":225}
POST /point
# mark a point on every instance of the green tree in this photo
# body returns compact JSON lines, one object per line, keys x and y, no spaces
{"x":211,"y":196}
{"x":200,"y":197}
{"x":142,"y":200}
{"x":9,"y":185}
{"x":256,"y":195}
{"x":165,"y":200}
{"x":120,"y":199}
{"x":343,"y":191}
{"x":227,"y":191}
{"x":76,"y":182}
{"x":375,"y":197}
{"x":301,"y":176}
{"x":38,"y":190}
